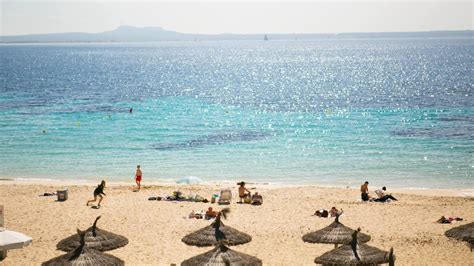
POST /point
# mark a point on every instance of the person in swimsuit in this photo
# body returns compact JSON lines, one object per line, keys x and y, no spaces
{"x":138,"y":177}
{"x":364,"y":190}
{"x":243,"y":191}
{"x":99,"y":191}
{"x":210,"y":214}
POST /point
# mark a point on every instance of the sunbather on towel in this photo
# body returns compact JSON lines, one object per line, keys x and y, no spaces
{"x":322,"y":213}
{"x":448,"y":220}
{"x":333,"y":212}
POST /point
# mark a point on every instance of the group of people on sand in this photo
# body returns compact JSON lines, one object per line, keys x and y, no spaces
{"x":382,"y":195}
{"x":333,"y":212}
{"x":208,"y":215}
{"x":246,"y":197}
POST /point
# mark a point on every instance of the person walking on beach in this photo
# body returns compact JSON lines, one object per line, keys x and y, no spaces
{"x":138,"y":177}
{"x":99,"y":191}
{"x":364,"y":190}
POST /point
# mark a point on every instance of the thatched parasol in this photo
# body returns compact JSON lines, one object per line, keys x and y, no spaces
{"x":83,"y":256}
{"x":335,"y":233}
{"x":222,"y":255}
{"x":212,"y":234}
{"x":463,"y":233}
{"x":356,"y":253}
{"x":95,"y":238}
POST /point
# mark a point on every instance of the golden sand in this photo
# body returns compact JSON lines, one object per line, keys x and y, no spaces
{"x":155,"y":228}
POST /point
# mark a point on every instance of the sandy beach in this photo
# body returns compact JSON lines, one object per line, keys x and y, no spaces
{"x":155,"y":228}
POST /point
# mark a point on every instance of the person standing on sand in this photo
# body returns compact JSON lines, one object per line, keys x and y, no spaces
{"x":364,"y":190}
{"x":99,"y":191}
{"x":138,"y":177}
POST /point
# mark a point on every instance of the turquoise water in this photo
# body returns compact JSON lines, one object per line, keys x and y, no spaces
{"x":394,"y":112}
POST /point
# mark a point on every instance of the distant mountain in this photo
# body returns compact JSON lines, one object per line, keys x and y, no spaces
{"x":156,"y":34}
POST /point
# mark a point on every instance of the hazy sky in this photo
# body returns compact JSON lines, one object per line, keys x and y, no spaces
{"x":25,"y":17}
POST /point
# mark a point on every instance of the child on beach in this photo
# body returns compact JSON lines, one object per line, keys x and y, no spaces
{"x":99,"y":191}
{"x":138,"y":177}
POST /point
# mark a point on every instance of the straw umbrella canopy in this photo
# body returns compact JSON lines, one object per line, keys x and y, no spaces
{"x":335,"y":233}
{"x":95,"y":238}
{"x":463,"y":233}
{"x":83,"y":256}
{"x":212,"y":234}
{"x":355,"y":253}
{"x":222,"y":255}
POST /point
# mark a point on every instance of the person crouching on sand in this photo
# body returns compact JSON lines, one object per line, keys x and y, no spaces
{"x":243,"y":191}
{"x":138,"y":177}
{"x":99,"y":191}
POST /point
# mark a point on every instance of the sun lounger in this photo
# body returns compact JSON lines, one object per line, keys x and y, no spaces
{"x":225,"y":197}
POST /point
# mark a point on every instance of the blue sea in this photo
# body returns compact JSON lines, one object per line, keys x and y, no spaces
{"x":397,"y":112}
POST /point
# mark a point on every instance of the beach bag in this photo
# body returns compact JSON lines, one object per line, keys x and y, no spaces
{"x":247,"y":199}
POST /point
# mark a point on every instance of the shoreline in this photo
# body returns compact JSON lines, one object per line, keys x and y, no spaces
{"x":445,"y":192}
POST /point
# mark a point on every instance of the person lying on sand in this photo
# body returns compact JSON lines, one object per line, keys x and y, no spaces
{"x":448,"y":220}
{"x":383,"y":196}
{"x":257,"y":199}
{"x":99,"y":191}
{"x":48,"y":194}
{"x":322,"y":213}
{"x":333,"y":212}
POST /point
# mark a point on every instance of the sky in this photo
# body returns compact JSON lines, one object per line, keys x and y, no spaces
{"x":36,"y":16}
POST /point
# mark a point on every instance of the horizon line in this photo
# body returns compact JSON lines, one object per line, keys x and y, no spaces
{"x":231,"y":33}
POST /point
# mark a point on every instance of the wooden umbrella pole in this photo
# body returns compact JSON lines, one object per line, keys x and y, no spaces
{"x":94,"y":226}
